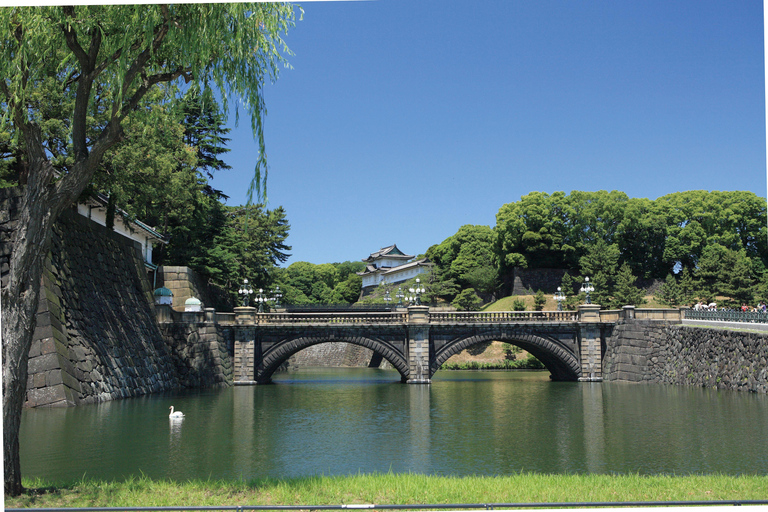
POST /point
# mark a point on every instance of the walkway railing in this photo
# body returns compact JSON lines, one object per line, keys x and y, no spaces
{"x":727,"y":316}
{"x":332,"y":318}
{"x":502,"y":316}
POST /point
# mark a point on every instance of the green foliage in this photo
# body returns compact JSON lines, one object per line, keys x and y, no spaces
{"x":328,"y":283}
{"x":518,"y":305}
{"x":600,"y":264}
{"x":723,"y":271}
{"x":467,"y":259}
{"x":569,"y":284}
{"x":625,"y":292}
{"x":740,"y":285}
{"x":131,"y":48}
{"x":671,"y":292}
{"x":559,"y":230}
{"x":597,"y":233}
{"x":511,"y":351}
{"x":467,"y":300}
{"x":233,"y":251}
{"x":529,"y":363}
{"x":438,"y":287}
{"x":539,"y":300}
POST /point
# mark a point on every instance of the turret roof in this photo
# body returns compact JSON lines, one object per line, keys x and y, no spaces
{"x":389,"y":252}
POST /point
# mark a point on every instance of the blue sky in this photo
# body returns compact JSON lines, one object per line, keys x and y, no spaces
{"x":403,"y":120}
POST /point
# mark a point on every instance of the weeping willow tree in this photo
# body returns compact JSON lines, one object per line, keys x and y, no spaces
{"x":105,"y":60}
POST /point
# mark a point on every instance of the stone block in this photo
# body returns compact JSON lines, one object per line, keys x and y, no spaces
{"x":43,"y":331}
{"x":48,"y":346}
{"x":44,"y":363}
{"x":35,"y":348}
{"x":85,"y":365}
{"x":46,"y":396}
{"x":38,"y":380}
{"x":53,"y":377}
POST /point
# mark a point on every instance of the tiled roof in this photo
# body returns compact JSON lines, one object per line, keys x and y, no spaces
{"x":391,"y":252}
{"x":419,"y":263}
{"x":370,"y":269}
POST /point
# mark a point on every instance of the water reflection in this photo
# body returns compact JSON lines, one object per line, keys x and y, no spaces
{"x":594,"y":426}
{"x":175,"y":429}
{"x":419,"y":427}
{"x":365,"y":420}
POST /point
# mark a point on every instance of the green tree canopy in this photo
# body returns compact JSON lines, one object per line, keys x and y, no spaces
{"x":105,"y":60}
{"x":467,"y":258}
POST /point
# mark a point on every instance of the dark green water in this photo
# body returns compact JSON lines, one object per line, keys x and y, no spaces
{"x":344,"y":421}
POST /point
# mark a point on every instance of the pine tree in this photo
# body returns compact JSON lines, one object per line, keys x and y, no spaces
{"x":671,"y":292}
{"x":625,"y":292}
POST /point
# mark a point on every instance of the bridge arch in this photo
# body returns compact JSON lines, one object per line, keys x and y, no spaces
{"x":279,"y":353}
{"x":561,"y":362}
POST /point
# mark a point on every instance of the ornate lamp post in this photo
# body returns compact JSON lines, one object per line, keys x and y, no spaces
{"x":387,"y":298}
{"x":261,"y":299}
{"x":245,"y":291}
{"x":400,"y":296}
{"x":559,"y":297}
{"x":587,"y":288}
{"x":416,"y":292}
{"x":276,"y":296}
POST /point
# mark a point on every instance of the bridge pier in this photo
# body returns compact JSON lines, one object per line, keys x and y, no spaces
{"x":245,"y":346}
{"x":418,"y":356}
{"x":590,"y":343}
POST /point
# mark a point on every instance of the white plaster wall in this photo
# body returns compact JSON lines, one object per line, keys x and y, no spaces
{"x":99,"y":215}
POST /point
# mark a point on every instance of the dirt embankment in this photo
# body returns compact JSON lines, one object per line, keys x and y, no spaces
{"x":490,"y":352}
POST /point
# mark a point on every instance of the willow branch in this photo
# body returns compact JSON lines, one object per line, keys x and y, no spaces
{"x":70,"y":37}
{"x":147,"y":84}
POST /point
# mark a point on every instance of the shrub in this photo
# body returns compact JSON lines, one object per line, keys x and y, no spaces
{"x":518,"y":305}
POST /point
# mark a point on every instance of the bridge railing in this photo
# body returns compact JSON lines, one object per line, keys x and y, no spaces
{"x":657,"y":314}
{"x":251,"y":317}
{"x":727,"y":316}
{"x":503,"y":316}
{"x":332,"y":318}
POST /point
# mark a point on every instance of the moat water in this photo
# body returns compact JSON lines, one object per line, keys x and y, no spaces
{"x":343,"y":421}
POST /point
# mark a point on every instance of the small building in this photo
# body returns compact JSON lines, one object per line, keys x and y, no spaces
{"x":95,"y":208}
{"x":390,"y":265}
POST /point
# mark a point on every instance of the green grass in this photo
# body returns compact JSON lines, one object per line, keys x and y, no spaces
{"x":386,"y":489}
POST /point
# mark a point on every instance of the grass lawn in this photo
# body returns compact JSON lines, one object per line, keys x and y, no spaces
{"x":394,"y":489}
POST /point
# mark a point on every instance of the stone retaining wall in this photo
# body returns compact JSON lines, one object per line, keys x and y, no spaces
{"x":527,"y":281}
{"x":671,"y":353}
{"x":200,"y":352}
{"x":97,"y":337}
{"x":335,"y":354}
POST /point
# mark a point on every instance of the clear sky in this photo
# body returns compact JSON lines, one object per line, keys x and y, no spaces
{"x":403,"y":120}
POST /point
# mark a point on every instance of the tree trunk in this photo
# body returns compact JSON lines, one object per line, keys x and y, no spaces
{"x":31,"y":243}
{"x":43,"y":201}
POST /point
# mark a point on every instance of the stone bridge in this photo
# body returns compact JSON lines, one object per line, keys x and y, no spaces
{"x":416,"y":341}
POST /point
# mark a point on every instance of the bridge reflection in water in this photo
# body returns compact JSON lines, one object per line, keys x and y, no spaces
{"x":417,"y":342}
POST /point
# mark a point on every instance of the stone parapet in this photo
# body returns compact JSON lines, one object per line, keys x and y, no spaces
{"x":589,"y":313}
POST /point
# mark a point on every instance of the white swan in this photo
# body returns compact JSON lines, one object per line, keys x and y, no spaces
{"x":175,"y":415}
